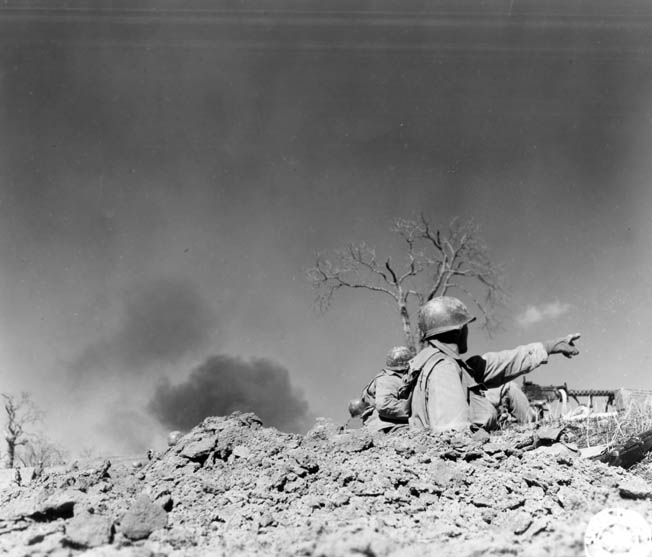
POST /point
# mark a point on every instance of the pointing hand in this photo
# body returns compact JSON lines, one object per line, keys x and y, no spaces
{"x":564,"y":345}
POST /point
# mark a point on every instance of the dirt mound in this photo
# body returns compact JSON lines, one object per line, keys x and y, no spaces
{"x":233,"y":487}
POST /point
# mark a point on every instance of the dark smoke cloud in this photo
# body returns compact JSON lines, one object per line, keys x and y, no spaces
{"x":223,"y":384}
{"x":163,"y":321}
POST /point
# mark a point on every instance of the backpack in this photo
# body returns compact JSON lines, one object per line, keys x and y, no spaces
{"x":412,"y":376}
{"x":368,"y":395}
{"x":482,"y":413}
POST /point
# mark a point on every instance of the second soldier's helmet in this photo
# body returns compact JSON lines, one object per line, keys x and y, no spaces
{"x":357,"y":407}
{"x":398,"y":358}
{"x":442,"y":314}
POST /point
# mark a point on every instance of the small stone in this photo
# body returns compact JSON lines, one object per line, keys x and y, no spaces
{"x":266,"y":519}
{"x":103,"y":470}
{"x":533,"y":480}
{"x":196,"y":450}
{"x":404,"y":447}
{"x":520,"y":522}
{"x":480,"y":501}
{"x":492,"y":448}
{"x":460,"y":443}
{"x":89,"y":530}
{"x":419,"y":486}
{"x":480,"y":436}
{"x":354,"y":442}
{"x":512,"y":502}
{"x":635,"y":488}
{"x":241,"y":452}
{"x":570,"y":499}
{"x":538,"y":525}
{"x":488,"y":515}
{"x":565,"y":459}
{"x":142,"y":518}
{"x":473,"y":454}
{"x":166,"y":502}
{"x":444,"y":473}
{"x":558,"y":450}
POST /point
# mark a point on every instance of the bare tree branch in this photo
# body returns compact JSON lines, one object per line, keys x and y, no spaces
{"x":391,"y":271}
{"x":355,"y":267}
{"x":435,"y":263}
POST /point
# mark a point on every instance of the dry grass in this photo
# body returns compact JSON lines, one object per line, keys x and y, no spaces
{"x":604,"y":428}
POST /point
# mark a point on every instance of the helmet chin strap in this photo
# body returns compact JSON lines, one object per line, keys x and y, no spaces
{"x":452,"y":349}
{"x":454,"y":341}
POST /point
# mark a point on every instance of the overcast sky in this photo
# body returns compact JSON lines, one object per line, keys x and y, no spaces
{"x":166,"y":177}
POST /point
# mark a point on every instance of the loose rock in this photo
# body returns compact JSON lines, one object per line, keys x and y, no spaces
{"x":89,"y":530}
{"x":635,"y":488}
{"x":142,"y":518}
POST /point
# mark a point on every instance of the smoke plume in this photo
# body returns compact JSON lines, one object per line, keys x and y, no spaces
{"x":163,"y":321}
{"x":223,"y":384}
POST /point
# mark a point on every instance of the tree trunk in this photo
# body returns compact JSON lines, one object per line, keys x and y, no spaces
{"x":407,"y":328}
{"x":11,"y":452}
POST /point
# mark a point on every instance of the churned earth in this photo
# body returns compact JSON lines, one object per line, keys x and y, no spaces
{"x":233,"y":487}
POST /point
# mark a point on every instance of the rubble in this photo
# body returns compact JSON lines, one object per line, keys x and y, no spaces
{"x":233,"y":487}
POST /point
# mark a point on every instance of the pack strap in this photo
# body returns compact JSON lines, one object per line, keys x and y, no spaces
{"x":424,"y":378}
{"x":410,"y":379}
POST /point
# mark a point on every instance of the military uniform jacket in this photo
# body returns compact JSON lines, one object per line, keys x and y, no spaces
{"x":449,"y":392}
{"x":389,"y":409}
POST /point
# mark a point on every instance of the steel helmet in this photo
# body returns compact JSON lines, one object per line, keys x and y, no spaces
{"x":442,"y":314}
{"x":398,"y":358}
{"x":357,"y":407}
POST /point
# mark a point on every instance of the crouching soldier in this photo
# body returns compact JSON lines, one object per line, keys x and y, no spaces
{"x":388,"y":411}
{"x":359,"y":411}
{"x":448,"y":392}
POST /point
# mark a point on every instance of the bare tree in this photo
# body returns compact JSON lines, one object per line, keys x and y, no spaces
{"x":435,"y":262}
{"x":39,"y":452}
{"x":21,"y":413}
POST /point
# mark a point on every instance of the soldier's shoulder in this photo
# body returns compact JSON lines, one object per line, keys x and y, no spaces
{"x":429,"y":353}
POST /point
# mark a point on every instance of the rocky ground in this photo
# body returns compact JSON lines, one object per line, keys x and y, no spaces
{"x":233,"y":487}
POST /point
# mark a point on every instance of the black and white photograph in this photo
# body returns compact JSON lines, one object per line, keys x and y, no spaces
{"x":325,"y":278}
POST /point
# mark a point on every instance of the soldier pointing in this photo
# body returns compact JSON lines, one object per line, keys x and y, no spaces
{"x":448,"y":392}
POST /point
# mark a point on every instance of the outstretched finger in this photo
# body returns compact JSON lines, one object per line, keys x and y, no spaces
{"x":573,"y":337}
